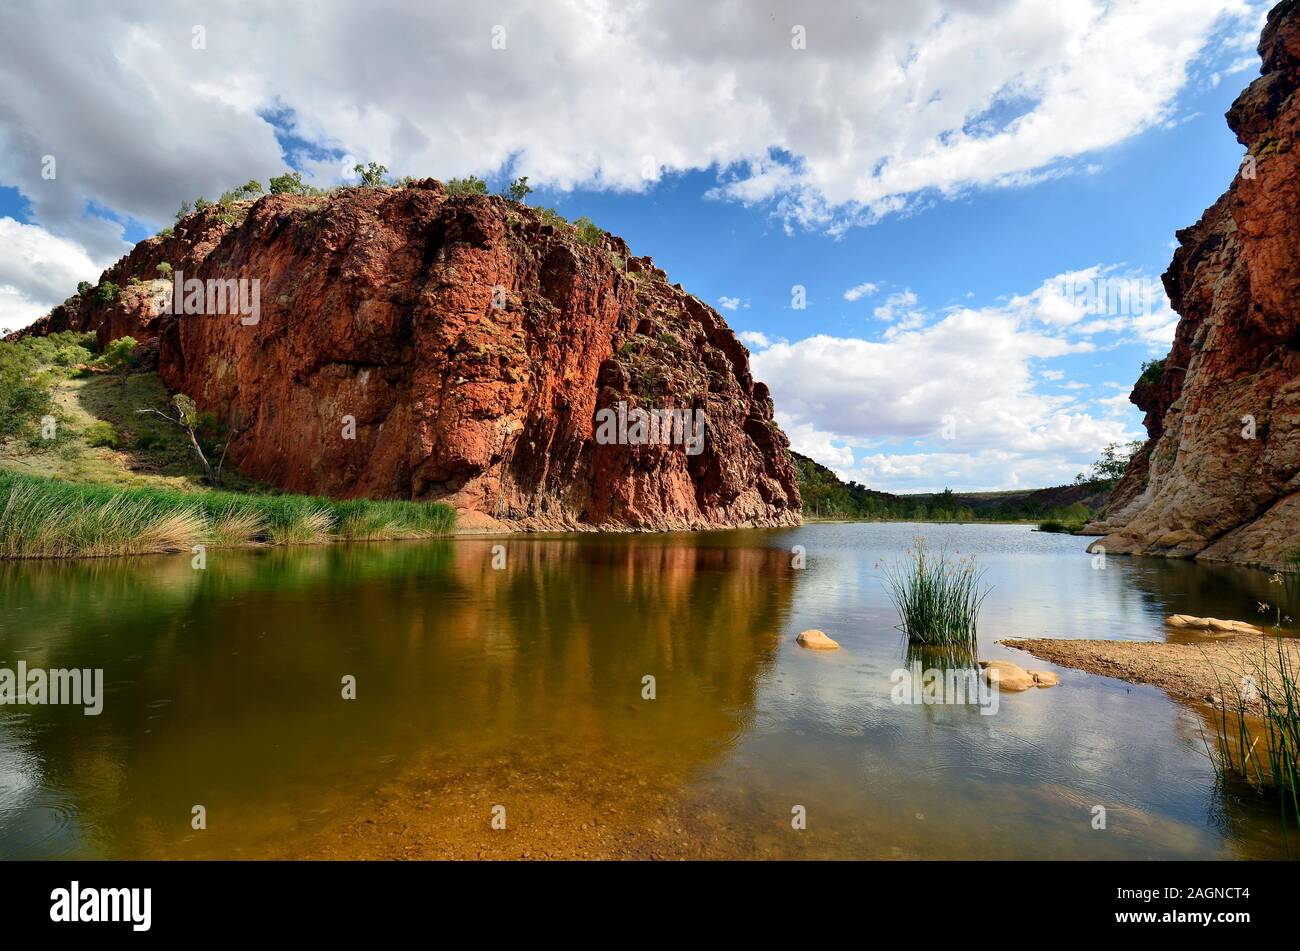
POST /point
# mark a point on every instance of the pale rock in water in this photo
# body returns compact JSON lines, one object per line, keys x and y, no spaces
{"x":1211,"y":624}
{"x":816,"y":641}
{"x":1006,"y":675}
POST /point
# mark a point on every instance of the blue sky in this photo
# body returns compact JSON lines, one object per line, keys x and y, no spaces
{"x":951,"y":168}
{"x":974,"y":251}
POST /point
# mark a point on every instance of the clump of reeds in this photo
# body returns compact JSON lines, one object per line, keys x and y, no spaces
{"x":938,"y":598}
{"x":1257,"y":730}
{"x":46,"y":518}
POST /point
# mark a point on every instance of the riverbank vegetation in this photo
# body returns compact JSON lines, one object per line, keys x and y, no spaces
{"x":46,"y":518}
{"x":1264,"y":751}
{"x":1064,"y":524}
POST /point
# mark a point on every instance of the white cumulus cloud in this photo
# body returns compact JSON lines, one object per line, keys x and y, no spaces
{"x":887,"y":101}
{"x":37,"y":271}
{"x":964,"y":387}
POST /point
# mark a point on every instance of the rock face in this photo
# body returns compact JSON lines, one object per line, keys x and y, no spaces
{"x":1202,"y":487}
{"x":472,"y":340}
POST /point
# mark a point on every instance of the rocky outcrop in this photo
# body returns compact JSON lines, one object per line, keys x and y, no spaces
{"x":415,"y":344}
{"x":1219,"y":478}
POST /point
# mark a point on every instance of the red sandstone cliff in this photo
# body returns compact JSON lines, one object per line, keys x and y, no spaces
{"x":1201,"y":488}
{"x":377,"y":304}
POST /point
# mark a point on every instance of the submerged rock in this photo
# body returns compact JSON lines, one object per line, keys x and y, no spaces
{"x":1006,"y":675}
{"x":816,"y":641}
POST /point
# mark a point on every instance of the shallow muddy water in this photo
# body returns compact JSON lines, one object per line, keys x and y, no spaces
{"x":522,"y":688}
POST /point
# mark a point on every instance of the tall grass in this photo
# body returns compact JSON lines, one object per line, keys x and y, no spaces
{"x":1264,"y":750}
{"x":938,"y":598}
{"x":46,"y":518}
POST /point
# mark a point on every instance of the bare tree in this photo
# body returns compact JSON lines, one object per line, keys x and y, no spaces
{"x":188,"y":418}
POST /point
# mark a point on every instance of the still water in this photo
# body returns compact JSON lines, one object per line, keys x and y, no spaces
{"x":517,"y":694}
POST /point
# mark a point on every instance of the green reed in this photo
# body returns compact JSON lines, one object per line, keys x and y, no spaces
{"x":938,"y":598}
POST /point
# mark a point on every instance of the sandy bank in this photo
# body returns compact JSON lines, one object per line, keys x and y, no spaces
{"x":1186,"y":671}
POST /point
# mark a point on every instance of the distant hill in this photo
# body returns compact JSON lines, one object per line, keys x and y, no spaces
{"x":826,"y":496}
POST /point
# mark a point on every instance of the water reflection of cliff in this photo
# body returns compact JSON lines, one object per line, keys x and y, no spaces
{"x":224,"y":685}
